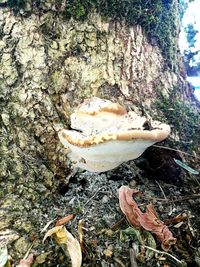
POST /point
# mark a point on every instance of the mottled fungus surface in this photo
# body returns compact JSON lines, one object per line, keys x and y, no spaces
{"x":105,"y":135}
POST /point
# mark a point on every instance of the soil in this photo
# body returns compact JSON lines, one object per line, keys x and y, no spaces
{"x":108,"y":239}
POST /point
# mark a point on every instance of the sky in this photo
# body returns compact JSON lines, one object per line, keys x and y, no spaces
{"x":192,"y":16}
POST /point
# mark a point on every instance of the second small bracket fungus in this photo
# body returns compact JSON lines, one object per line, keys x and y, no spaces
{"x":105,"y":135}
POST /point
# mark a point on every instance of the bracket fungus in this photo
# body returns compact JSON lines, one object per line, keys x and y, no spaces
{"x":104,"y":135}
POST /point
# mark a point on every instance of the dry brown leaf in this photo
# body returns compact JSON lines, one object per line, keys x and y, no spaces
{"x":148,"y":220}
{"x":74,"y":250}
{"x":80,"y":233}
{"x":65,"y":219}
{"x":69,"y":244}
{"x":177,"y":219}
{"x":107,"y":252}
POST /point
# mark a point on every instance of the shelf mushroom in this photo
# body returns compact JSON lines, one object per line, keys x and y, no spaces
{"x":105,"y":135}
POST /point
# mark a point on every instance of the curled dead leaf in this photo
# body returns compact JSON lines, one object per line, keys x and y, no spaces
{"x":148,"y":220}
{"x":68,"y":243}
{"x":128,"y":206}
{"x":74,"y":250}
{"x":58,"y":232}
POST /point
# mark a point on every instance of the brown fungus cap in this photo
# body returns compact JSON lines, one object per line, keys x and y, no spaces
{"x":95,"y":106}
{"x":78,"y":139}
{"x":105,"y":135}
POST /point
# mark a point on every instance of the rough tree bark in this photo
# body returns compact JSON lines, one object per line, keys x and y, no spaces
{"x":47,"y":67}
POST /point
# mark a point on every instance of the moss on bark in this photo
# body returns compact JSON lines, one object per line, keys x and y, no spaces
{"x":157,"y":17}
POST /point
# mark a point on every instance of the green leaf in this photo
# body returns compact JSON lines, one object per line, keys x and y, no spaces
{"x":150,"y":242}
{"x":143,"y":238}
{"x":186,"y":167}
{"x":133,"y":233}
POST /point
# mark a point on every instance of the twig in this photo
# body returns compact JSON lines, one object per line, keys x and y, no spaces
{"x":179,"y":218}
{"x":28,"y":251}
{"x":46,"y":226}
{"x":177,"y":150}
{"x":80,"y":233}
{"x":181,"y":199}
{"x":165,"y":253}
{"x":118,"y":224}
{"x":133,"y":258}
{"x":161,"y":190}
{"x":99,"y":189}
{"x":119,"y":262}
{"x":169,"y":201}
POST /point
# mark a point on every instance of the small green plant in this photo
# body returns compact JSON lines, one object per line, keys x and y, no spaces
{"x":77,"y":9}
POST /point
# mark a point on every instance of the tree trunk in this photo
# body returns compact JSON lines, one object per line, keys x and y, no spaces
{"x":47,"y":67}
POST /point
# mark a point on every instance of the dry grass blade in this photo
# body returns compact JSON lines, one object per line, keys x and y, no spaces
{"x":181,"y":263}
{"x":133,"y":258}
{"x":177,"y":150}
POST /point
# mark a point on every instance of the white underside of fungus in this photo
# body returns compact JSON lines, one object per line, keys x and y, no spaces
{"x":105,"y":135}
